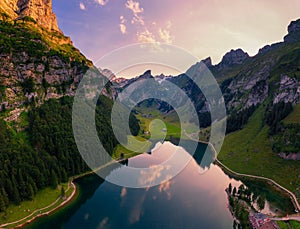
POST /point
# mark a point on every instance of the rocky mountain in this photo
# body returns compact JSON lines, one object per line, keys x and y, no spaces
{"x":37,"y":62}
{"x":40,"y":70}
{"x":261,"y":82}
{"x":39,"y":11}
{"x":293,"y":32}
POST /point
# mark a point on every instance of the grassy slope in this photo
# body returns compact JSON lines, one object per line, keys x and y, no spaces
{"x":249,"y":151}
{"x":42,"y":199}
{"x":289,"y":224}
{"x":293,"y":117}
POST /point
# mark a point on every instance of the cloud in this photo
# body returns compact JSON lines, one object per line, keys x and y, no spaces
{"x":165,"y":36}
{"x":136,"y":10}
{"x":146,"y":37}
{"x":102,"y":2}
{"x":123,"y":28}
{"x":154,"y":172}
{"x":122,"y":25}
{"x":169,"y":24}
{"x":82,"y":6}
{"x":134,"y":6}
{"x":103,"y":223}
{"x":165,"y":186}
{"x":123,"y":192}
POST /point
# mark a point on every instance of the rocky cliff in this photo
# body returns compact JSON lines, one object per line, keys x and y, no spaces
{"x":38,"y":10}
{"x":293,"y":32}
{"x":35,"y":64}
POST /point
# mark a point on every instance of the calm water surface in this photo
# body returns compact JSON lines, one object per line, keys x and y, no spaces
{"x":190,"y":200}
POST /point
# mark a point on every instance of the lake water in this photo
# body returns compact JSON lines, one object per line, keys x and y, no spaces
{"x":192,"y":199}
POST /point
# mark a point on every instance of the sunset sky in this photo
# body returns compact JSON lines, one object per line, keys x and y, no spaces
{"x":203,"y":27}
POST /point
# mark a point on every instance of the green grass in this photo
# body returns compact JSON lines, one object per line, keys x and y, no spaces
{"x":42,"y":199}
{"x":249,"y":151}
{"x":171,"y":123}
{"x":141,"y":144}
{"x":293,"y":117}
{"x":153,"y":123}
{"x":289,"y":224}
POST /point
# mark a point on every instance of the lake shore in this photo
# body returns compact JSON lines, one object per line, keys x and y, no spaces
{"x":240,"y":175}
{"x":39,"y":212}
{"x":274,"y":184}
{"x":27,"y":220}
{"x":73,"y":196}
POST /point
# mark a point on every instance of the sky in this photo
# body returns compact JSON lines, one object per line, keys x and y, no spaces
{"x":202,"y":27}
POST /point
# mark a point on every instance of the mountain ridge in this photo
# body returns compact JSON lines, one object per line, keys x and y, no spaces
{"x":39,"y":11}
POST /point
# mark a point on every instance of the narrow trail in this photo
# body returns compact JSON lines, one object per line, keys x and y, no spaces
{"x":44,"y":208}
{"x":71,"y":183}
{"x":295,"y":217}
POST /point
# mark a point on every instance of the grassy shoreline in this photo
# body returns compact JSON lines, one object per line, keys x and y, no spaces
{"x":230,"y":170}
{"x":43,"y":210}
{"x":272,"y":184}
{"x":59,"y":204}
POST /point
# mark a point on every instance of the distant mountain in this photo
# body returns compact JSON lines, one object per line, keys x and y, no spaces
{"x":271,"y":77}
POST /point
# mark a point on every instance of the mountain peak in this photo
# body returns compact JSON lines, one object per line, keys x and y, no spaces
{"x":39,"y":10}
{"x":293,"y":32}
{"x":232,"y":57}
{"x":207,"y":62}
{"x":148,"y":72}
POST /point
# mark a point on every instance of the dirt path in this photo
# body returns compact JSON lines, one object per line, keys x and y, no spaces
{"x":58,"y":199}
{"x":290,"y":217}
{"x":44,"y":208}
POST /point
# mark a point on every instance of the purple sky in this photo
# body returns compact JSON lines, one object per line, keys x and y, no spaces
{"x":203,"y":27}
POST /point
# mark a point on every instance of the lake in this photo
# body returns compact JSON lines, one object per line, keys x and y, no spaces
{"x":192,"y":199}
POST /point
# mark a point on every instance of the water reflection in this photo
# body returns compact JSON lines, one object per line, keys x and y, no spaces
{"x":189,"y":200}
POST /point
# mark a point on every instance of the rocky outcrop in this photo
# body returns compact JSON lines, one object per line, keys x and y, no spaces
{"x":233,"y":57}
{"x":38,"y":10}
{"x":24,"y":80}
{"x":293,"y":32}
{"x":207,"y":62}
{"x":290,"y":156}
{"x":289,"y":90}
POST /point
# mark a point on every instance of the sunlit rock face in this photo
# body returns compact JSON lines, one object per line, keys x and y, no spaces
{"x":39,"y":10}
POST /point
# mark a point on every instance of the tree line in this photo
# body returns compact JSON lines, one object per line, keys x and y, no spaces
{"x":45,"y":154}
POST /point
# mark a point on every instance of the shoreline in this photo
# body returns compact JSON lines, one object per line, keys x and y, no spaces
{"x":281,"y":188}
{"x":219,"y":163}
{"x":72,"y":198}
{"x":51,"y":211}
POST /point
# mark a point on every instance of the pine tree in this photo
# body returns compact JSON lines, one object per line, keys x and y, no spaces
{"x":5,"y":197}
{"x":230,"y":188}
{"x":63,"y":192}
{"x":64,"y":176}
{"x":30,"y":192}
{"x":16,"y":193}
{"x":234,"y":191}
{"x":53,"y":180}
{"x":2,"y":204}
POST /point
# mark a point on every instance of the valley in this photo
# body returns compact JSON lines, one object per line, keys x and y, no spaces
{"x":45,"y":179}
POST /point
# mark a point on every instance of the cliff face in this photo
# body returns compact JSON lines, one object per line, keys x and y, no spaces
{"x":35,"y":65}
{"x":33,"y":70}
{"x":39,"y":10}
{"x":294,"y":32}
